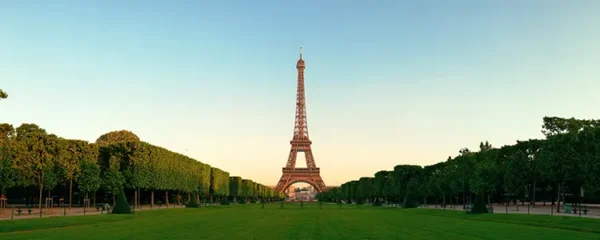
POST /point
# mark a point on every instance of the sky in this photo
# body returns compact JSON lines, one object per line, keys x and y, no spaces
{"x":387,"y":82}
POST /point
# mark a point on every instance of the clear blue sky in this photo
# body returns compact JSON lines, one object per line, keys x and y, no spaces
{"x":388,"y":82}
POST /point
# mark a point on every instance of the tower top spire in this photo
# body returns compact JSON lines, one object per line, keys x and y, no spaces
{"x":300,"y":64}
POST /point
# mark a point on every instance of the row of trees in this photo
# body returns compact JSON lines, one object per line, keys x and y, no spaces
{"x":563,"y":166}
{"x":118,"y":161}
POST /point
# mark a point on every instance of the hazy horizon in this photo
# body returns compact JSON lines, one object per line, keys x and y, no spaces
{"x":386,"y":84}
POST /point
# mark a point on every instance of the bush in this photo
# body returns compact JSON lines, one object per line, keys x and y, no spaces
{"x":225,"y":201}
{"x":122,"y":206}
{"x":479,"y":206}
{"x":376,"y":203}
{"x":193,"y":203}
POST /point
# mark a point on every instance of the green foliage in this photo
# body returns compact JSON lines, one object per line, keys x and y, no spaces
{"x":89,"y":178}
{"x":151,"y":167}
{"x":379,"y":183}
{"x":407,"y":180}
{"x":116,"y":137}
{"x":516,"y":173}
{"x":8,"y":175}
{"x":365,"y":188}
{"x":247,"y":188}
{"x":122,"y":206}
{"x":479,"y":206}
{"x":219,"y":182}
{"x":3,"y":95}
{"x":112,"y":181}
{"x":50,"y":178}
{"x":235,"y":186}
{"x":391,"y":188}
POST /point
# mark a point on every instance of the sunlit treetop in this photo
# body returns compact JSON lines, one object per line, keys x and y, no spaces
{"x":117,"y":136}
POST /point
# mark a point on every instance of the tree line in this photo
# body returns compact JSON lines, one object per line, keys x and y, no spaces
{"x":562,"y":167}
{"x":31,"y":158}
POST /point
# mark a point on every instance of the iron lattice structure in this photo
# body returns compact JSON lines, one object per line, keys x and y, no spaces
{"x":301,"y":143}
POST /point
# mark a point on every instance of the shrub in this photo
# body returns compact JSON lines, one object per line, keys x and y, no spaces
{"x":479,"y":206}
{"x":225,"y":201}
{"x":122,"y":206}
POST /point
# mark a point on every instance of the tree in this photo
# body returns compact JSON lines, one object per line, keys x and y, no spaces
{"x":113,"y":181}
{"x":515,"y":177}
{"x":379,"y":185}
{"x":33,"y":158}
{"x":247,"y":188}
{"x":89,"y":179}
{"x":7,"y":172}
{"x":487,"y":173}
{"x":3,"y":94}
{"x":8,"y":176}
{"x":390,"y":189}
{"x":365,"y":188}
{"x":117,"y":136}
{"x":404,"y":174}
{"x":71,"y":153}
{"x":531,"y":148}
{"x":235,"y":187}
{"x":50,"y":179}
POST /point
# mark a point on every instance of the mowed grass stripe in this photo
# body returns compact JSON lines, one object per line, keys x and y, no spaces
{"x":236,"y":222}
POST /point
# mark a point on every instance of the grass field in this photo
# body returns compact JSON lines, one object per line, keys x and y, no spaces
{"x":311,"y":222}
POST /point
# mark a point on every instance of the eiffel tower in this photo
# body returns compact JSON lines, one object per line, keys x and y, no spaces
{"x":301,"y":143}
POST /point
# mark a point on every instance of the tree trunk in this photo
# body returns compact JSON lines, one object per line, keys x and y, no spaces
{"x":114,"y":201}
{"x":189,"y":197}
{"x":517,"y":202}
{"x":94,"y":198}
{"x":563,"y":194}
{"x":41,"y":192}
{"x":558,"y":199}
{"x":151,"y":199}
{"x":70,"y":192}
{"x":135,"y":196}
{"x":444,"y":200}
{"x":167,"y":198}
{"x":506,"y":205}
{"x":533,"y":196}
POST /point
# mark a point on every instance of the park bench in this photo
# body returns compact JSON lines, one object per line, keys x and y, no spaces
{"x":581,"y":208}
{"x":469,"y":208}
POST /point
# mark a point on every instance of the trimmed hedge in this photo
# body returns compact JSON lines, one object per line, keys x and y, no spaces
{"x":122,"y":206}
{"x":479,"y":205}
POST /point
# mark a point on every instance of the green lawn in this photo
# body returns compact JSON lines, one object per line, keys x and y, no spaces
{"x":350,"y":222}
